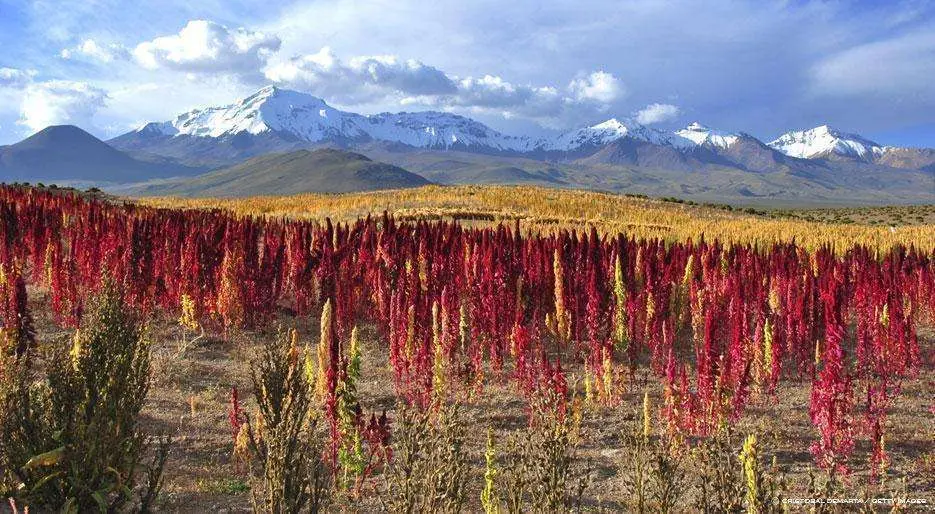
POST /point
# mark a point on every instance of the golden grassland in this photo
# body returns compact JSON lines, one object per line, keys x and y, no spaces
{"x":546,"y":210}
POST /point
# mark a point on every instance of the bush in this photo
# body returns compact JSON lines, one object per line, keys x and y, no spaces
{"x":720,"y":480}
{"x":287,"y":472}
{"x":428,"y":471}
{"x":654,"y":472}
{"x":70,"y":441}
{"x":736,"y":480}
{"x":540,"y":470}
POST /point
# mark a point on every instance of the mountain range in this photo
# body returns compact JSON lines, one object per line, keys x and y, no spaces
{"x":817,"y":166}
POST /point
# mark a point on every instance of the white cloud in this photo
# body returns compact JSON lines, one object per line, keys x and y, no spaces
{"x":409,"y":76}
{"x":547,"y":104}
{"x":657,"y":113}
{"x":900,"y":66}
{"x":361,"y":78}
{"x":207,"y":47}
{"x":60,"y":102}
{"x":92,"y":50}
{"x":492,"y":91}
{"x":15,"y":78}
{"x":599,"y":86}
{"x":389,"y":78}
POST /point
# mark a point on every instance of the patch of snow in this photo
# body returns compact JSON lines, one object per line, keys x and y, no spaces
{"x":608,"y":132}
{"x":164,"y":128}
{"x":702,"y":135}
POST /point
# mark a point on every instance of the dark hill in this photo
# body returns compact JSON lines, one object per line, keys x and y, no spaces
{"x":301,"y":171}
{"x":67,"y":153}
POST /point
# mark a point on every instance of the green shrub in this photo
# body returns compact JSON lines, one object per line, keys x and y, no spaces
{"x":70,"y":441}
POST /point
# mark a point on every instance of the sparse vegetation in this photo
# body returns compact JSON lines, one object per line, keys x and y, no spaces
{"x":541,"y":470}
{"x":429,"y":468}
{"x":901,"y":217}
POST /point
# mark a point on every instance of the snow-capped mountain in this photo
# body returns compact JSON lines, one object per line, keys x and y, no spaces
{"x":608,"y":132}
{"x":267,"y":139}
{"x":295,"y":116}
{"x":280,"y":120}
{"x":702,"y":135}
{"x":825,"y":141}
{"x":307,"y":118}
{"x":303,"y":117}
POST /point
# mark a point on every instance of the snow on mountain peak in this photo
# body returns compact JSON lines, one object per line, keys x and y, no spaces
{"x":158,"y":128}
{"x":269,"y":109}
{"x":308,"y":118}
{"x":701,"y":135}
{"x":303,"y":117}
{"x":613,"y":125}
{"x":822,"y":140}
{"x":608,"y":132}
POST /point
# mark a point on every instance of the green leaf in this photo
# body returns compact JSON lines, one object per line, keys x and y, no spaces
{"x":38,"y":485}
{"x":49,"y":458}
{"x":101,"y":501}
{"x":69,"y":506}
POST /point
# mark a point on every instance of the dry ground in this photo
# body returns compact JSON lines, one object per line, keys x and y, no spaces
{"x":890,"y":216}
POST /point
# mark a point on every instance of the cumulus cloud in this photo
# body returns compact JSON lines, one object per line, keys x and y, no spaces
{"x":657,"y":113}
{"x":495,"y":92}
{"x":360,"y":78}
{"x":59,"y":102}
{"x":599,"y":86}
{"x":207,"y":47}
{"x":411,"y":82}
{"x":549,"y":104}
{"x":15,"y":78}
{"x":204,"y":47}
{"x":90,"y":49}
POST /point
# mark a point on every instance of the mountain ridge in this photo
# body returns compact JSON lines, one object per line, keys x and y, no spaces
{"x":695,"y":162}
{"x":286,"y":117}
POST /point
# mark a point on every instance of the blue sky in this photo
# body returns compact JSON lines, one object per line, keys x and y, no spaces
{"x":520,"y":66}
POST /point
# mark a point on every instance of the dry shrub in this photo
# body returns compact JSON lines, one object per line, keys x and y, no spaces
{"x":540,"y":469}
{"x":719,"y":478}
{"x":428,"y":470}
{"x":654,"y":472}
{"x":731,"y":479}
